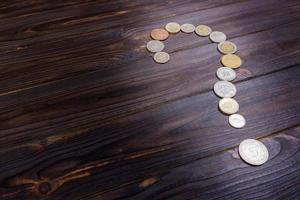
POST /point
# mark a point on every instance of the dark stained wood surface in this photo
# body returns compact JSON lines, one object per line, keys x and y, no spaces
{"x":85,"y":113}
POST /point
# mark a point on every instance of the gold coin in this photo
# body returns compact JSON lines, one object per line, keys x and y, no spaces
{"x":203,"y":30}
{"x":159,"y":34}
{"x":227,"y":47}
{"x":172,"y":27}
{"x":231,"y":60}
{"x":228,"y":106}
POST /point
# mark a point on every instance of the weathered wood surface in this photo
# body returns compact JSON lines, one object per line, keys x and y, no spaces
{"x":86,"y":113}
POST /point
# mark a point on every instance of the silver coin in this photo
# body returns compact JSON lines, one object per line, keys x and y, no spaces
{"x":224,"y":89}
{"x":253,"y":152}
{"x":217,"y":36}
{"x":155,"y":46}
{"x":226,"y":74}
{"x":237,"y":121}
{"x":161,"y":57}
{"x":187,"y":28}
{"x":228,"y":106}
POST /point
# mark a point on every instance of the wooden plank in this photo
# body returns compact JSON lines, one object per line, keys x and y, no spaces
{"x":222,"y":176}
{"x":168,"y":136}
{"x":46,"y":56}
{"x":86,"y":114}
{"x":98,"y":98}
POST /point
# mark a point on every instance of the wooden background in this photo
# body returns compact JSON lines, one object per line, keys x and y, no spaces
{"x":85,"y":113}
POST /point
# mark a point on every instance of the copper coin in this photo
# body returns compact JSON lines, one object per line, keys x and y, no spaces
{"x":159,"y":34}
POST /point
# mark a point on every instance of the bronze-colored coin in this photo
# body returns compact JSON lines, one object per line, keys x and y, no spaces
{"x":231,"y":60}
{"x":159,"y":34}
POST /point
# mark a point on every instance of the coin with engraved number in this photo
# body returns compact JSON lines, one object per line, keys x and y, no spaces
{"x":187,"y":28}
{"x":228,"y":106}
{"x":203,"y":30}
{"x":155,"y":46}
{"x":226,"y":74}
{"x":159,"y":34}
{"x":227,"y":47}
{"x":161,"y":57}
{"x":231,"y":60}
{"x":172,"y":27}
{"x":217,"y":36}
{"x":253,"y":152}
{"x":224,"y":89}
{"x":237,"y":121}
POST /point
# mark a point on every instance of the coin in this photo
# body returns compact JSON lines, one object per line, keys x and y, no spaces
{"x":187,"y":28}
{"x":155,"y":46}
{"x":231,"y":60}
{"x":228,"y":106}
{"x":237,"y":121}
{"x":203,"y":30}
{"x":161,"y":57}
{"x":159,"y":34}
{"x":227,"y":47}
{"x":217,"y":36}
{"x":172,"y":27}
{"x":253,"y":152}
{"x":224,"y":89}
{"x":226,"y":74}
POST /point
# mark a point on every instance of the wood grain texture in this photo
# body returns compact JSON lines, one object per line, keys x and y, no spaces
{"x":85,"y":113}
